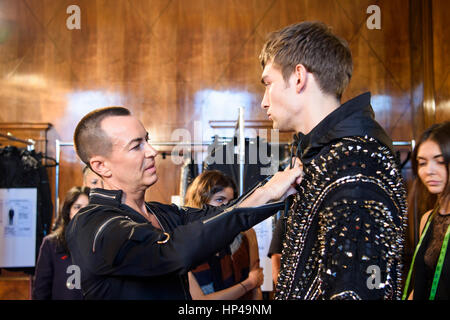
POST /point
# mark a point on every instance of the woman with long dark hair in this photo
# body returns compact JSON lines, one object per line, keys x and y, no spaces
{"x":51,"y":273}
{"x":234,"y":272}
{"x":429,"y":275}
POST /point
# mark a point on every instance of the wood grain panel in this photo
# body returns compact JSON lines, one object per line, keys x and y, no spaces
{"x":441,"y":58}
{"x":176,"y":62}
{"x":181,"y":64}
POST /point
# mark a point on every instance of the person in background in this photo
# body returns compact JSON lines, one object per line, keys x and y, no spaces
{"x":234,"y":272}
{"x":276,"y":247}
{"x":91,"y":179}
{"x":431,"y":191}
{"x":51,"y":274}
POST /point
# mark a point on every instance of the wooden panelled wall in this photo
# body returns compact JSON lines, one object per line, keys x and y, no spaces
{"x":178,"y":63}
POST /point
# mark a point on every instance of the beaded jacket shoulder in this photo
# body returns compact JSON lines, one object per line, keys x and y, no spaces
{"x":352,"y":160}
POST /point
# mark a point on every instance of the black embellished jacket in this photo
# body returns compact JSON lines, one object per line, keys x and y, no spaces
{"x":345,"y":227}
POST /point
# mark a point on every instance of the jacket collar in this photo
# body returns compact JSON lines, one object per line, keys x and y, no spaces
{"x":113,"y":198}
{"x":105,"y":197}
{"x":353,"y":118}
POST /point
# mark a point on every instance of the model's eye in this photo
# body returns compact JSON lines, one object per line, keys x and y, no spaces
{"x":421,"y":164}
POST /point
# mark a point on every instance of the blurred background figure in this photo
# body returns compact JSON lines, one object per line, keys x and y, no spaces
{"x":429,"y":275}
{"x":91,"y":179}
{"x":276,"y":247}
{"x":234,"y":272}
{"x":51,"y":277}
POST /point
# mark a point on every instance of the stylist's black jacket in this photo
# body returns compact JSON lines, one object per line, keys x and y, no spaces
{"x":122,"y":256}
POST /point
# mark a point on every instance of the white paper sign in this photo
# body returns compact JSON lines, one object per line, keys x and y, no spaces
{"x":18,"y":227}
{"x":264,"y":232}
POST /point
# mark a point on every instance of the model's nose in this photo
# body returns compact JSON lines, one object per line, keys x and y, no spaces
{"x":265,"y":101}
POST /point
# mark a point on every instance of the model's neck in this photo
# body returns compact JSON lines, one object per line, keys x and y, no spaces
{"x":317,"y":107}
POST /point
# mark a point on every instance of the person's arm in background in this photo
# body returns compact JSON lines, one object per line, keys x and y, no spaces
{"x":276,"y":265}
{"x":254,"y":260}
{"x":255,"y":279}
{"x":43,"y":281}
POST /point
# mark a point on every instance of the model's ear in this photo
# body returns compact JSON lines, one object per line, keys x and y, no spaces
{"x":100,"y":165}
{"x":300,"y":74}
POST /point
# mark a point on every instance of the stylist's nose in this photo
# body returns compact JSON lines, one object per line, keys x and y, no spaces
{"x":150,"y":151}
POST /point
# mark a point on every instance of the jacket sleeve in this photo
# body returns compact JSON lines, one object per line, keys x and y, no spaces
{"x":359,"y":243}
{"x":43,"y":280}
{"x":124,"y":247}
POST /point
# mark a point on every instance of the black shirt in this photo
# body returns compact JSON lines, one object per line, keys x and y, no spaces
{"x":122,"y":256}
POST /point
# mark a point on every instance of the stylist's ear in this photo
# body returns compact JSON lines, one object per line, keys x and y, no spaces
{"x":100,"y":166}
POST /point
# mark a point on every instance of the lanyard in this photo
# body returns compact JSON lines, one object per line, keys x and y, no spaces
{"x":437,"y":273}
{"x":438,"y":270}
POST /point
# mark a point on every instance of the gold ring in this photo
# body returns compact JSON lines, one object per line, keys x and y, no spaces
{"x":165,"y":240}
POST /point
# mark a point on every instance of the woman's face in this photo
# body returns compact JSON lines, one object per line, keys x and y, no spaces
{"x":431,"y":167}
{"x":221,"y":197}
{"x":81,"y":202}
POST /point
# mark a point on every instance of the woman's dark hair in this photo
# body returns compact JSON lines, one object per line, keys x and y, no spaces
{"x":420,"y":198}
{"x":205,"y":186}
{"x":64,"y":216}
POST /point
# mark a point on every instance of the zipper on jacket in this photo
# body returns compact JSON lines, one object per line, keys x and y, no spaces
{"x":153,"y":212}
{"x":102,"y":195}
{"x":99,"y":230}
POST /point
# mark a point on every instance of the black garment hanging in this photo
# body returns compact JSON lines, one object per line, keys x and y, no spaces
{"x":20,"y":168}
{"x":256,"y":166}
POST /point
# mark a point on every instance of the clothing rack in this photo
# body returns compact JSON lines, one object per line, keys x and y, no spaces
{"x":29,"y":142}
{"x":239,"y":132}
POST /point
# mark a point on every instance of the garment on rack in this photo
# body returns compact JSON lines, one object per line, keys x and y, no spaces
{"x":258,"y":164}
{"x":189,"y":171}
{"x":20,"y":168}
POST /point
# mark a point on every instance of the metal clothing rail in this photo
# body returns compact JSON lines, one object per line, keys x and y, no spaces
{"x":29,"y":142}
{"x":241,"y":147}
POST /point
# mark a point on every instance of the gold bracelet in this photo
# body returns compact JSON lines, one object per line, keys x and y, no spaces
{"x":245,"y":288}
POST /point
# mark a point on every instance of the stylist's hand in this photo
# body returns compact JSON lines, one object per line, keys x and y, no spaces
{"x":280,"y":186}
{"x":283,"y":183}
